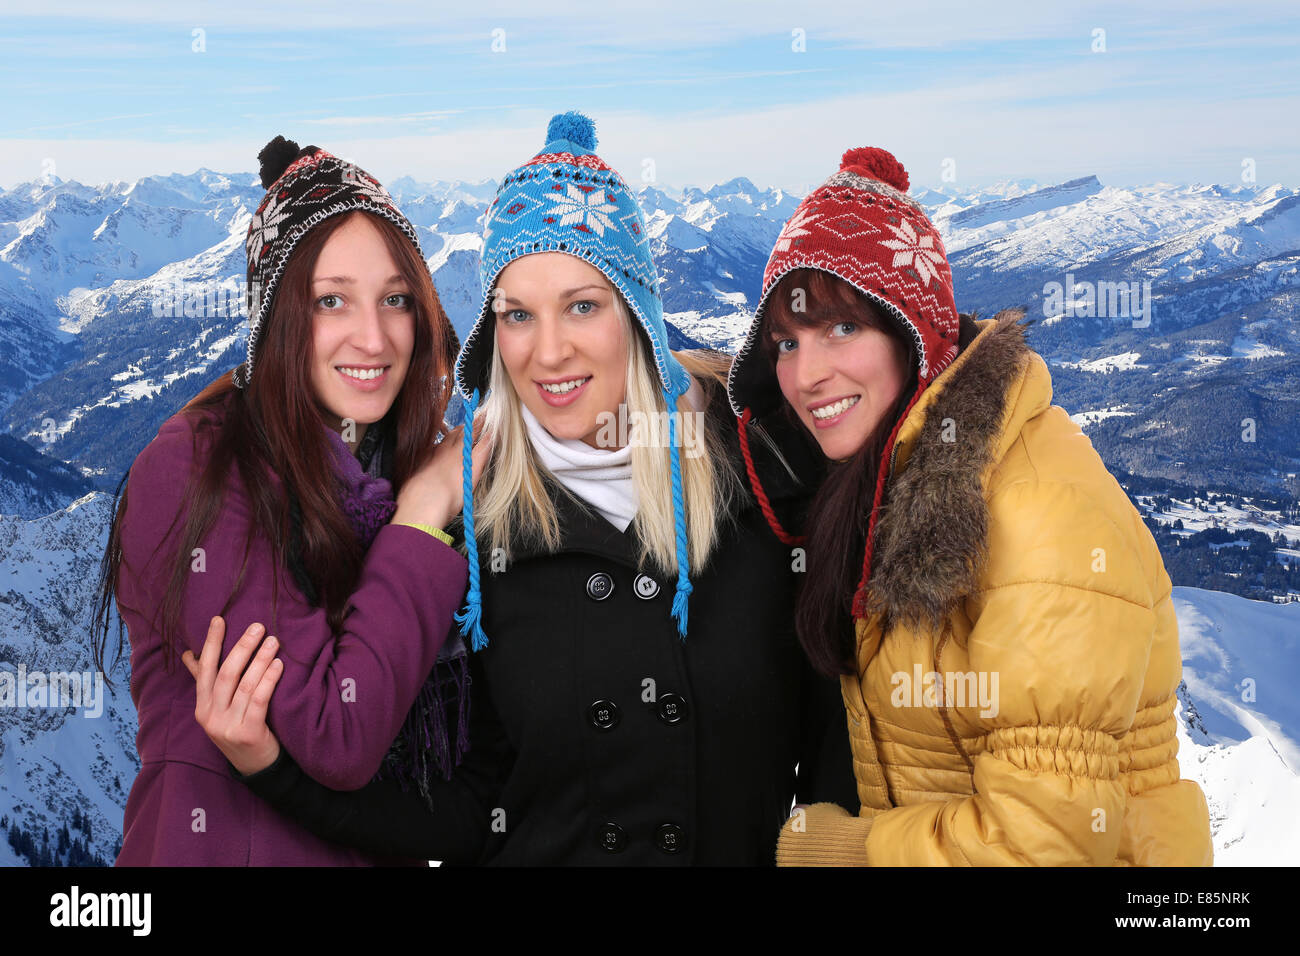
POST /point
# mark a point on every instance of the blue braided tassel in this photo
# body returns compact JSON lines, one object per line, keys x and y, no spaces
{"x":470,"y":618}
{"x":682,"y":597}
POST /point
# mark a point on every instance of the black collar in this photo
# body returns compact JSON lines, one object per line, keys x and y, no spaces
{"x":582,"y":530}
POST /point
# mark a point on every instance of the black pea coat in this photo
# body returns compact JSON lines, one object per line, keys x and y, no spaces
{"x":630,"y":745}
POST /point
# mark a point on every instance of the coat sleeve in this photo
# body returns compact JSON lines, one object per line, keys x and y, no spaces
{"x":1064,"y":620}
{"x":341,"y":698}
{"x":387,"y":819}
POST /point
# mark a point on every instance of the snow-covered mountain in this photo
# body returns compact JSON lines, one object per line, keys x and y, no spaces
{"x":972,"y":216}
{"x":60,"y":765}
{"x":32,"y":484}
{"x":89,"y":368}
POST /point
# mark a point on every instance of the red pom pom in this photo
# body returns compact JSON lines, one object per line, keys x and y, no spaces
{"x":876,"y":163}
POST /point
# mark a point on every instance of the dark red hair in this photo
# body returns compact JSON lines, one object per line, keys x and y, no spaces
{"x":275,"y":426}
{"x":840,"y":511}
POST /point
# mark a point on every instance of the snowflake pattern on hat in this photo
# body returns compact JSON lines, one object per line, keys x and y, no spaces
{"x":265,"y":227}
{"x":918,"y":252}
{"x":586,"y":209}
{"x":796,"y":227}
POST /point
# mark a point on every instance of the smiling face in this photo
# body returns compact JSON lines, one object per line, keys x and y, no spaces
{"x":839,"y":370}
{"x":363,"y":326}
{"x":562,"y":342}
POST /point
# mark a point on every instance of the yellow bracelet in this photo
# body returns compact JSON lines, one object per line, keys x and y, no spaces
{"x":438,"y":533}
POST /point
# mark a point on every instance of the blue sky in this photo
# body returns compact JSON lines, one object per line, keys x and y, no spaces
{"x":697,"y":92}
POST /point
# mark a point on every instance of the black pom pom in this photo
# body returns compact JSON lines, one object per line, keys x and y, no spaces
{"x":275,"y":158}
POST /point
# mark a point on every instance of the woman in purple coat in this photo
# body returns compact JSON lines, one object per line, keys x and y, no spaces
{"x":270,"y":498}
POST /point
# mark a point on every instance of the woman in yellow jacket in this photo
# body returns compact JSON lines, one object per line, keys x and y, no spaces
{"x":997,"y":612}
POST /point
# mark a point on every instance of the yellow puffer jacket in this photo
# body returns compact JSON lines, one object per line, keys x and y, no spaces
{"x":1010,"y":563}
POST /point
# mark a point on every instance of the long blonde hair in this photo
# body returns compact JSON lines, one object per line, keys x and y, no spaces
{"x":513,"y":505}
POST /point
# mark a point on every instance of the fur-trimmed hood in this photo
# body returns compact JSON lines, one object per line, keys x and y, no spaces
{"x":931,"y":530}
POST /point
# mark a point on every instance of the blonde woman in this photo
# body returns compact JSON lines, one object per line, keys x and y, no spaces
{"x":639,"y":694}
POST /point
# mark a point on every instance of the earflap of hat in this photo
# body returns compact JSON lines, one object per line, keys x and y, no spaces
{"x":751,"y":383}
{"x":450,"y":355}
{"x":473,"y":364}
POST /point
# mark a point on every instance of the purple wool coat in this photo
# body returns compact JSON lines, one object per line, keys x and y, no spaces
{"x":340,"y":701}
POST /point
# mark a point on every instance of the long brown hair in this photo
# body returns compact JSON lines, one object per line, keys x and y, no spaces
{"x":274,"y":426}
{"x":840,"y":510}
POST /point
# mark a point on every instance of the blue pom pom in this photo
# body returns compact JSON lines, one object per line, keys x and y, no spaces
{"x":574,"y":127}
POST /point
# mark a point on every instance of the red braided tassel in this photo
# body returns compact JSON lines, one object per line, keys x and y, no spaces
{"x":757,"y":486}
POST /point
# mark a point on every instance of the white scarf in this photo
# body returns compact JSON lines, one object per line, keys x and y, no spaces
{"x":602,"y":477}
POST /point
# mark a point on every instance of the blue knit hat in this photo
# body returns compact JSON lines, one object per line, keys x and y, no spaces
{"x":566,"y":199}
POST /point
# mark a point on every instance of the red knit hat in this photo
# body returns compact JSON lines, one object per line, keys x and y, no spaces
{"x":861,"y":226}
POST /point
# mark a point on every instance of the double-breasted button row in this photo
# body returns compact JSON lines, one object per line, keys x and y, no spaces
{"x":670,"y":708}
{"x":669,"y":838}
{"x":601,"y":585}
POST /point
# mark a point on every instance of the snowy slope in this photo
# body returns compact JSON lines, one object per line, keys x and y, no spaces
{"x":1241,"y":660}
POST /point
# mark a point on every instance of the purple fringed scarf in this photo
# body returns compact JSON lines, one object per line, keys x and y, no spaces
{"x":367,"y":495}
{"x":424,"y":743}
